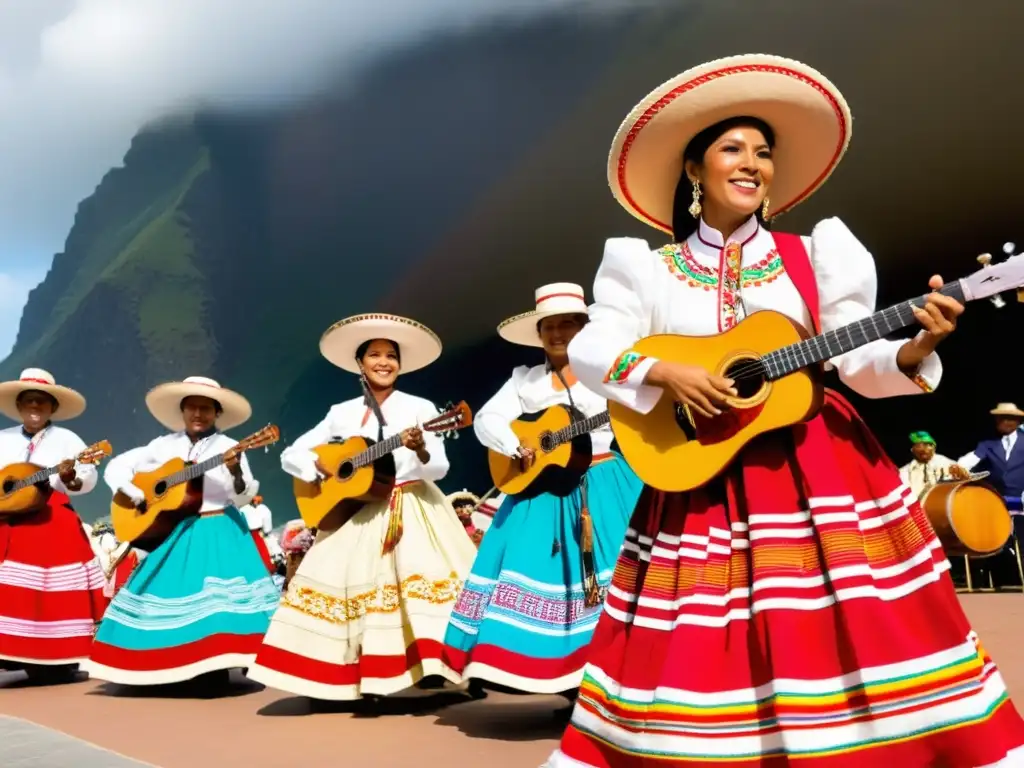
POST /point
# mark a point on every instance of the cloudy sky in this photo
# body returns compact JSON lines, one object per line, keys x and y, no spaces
{"x":79,"y":77}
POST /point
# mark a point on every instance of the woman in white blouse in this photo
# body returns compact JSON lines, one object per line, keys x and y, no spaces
{"x":199,"y":604}
{"x":797,"y":608}
{"x":365,"y":613}
{"x":528,"y":609}
{"x":51,"y":585}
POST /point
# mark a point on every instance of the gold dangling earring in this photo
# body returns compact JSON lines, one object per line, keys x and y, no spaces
{"x":764,"y":209}
{"x":694,"y":208}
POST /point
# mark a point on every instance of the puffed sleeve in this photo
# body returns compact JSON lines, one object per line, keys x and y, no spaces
{"x":121,"y":468}
{"x":73,"y":445}
{"x":298,"y":459}
{"x":847,"y":290}
{"x":491,"y":423}
{"x":437,"y":467}
{"x":601,"y":354}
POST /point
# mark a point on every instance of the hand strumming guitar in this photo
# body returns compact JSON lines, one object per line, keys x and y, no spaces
{"x":527,"y":457}
{"x":68,"y":475}
{"x":691,"y":385}
{"x":412,"y":439}
{"x":323,"y":473}
{"x":959,"y":473}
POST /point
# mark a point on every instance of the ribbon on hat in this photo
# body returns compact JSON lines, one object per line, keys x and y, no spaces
{"x":921,"y":437}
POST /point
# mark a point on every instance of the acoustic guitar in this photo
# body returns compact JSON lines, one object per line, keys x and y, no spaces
{"x":362,"y":470}
{"x":560,"y":439}
{"x":173,"y":492}
{"x":776,"y":365}
{"x":19,"y":492}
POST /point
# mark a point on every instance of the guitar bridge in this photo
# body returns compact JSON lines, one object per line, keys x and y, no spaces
{"x":684,"y":420}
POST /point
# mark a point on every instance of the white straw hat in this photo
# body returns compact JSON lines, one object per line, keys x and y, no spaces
{"x":164,"y":402}
{"x":552,"y":299}
{"x":69,"y":402}
{"x":808,"y":115}
{"x":1007,"y":409}
{"x":418,"y":346}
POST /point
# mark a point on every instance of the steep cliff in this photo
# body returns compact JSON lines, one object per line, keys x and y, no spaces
{"x":224,"y":245}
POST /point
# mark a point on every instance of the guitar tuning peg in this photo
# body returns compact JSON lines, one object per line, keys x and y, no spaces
{"x":985,"y":259}
{"x":1009,"y":248}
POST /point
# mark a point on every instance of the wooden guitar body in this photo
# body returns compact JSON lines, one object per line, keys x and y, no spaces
{"x":147,"y":527}
{"x":557,"y":469}
{"x":671,"y":448}
{"x":24,"y":500}
{"x":330,"y":503}
{"x":969,"y":517}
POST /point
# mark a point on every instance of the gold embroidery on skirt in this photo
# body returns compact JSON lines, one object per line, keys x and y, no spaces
{"x":385,"y":599}
{"x":395,"y":528}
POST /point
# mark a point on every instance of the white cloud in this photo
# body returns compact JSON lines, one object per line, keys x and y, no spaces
{"x":79,"y":77}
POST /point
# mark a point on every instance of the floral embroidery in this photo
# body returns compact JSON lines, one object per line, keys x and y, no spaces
{"x":682,"y":264}
{"x":386,"y":598}
{"x":625,"y":365}
{"x":729,"y":286}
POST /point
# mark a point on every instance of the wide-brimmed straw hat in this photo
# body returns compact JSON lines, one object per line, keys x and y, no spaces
{"x":69,"y":402}
{"x":418,"y":346}
{"x":552,"y":299}
{"x":808,"y":115}
{"x":164,"y":402}
{"x":1007,"y":409}
{"x":464,"y":496}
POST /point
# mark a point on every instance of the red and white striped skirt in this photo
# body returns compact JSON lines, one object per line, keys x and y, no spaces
{"x":51,"y":587}
{"x":797,"y":611}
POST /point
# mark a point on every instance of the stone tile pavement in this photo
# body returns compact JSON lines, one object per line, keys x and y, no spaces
{"x":27,"y":745}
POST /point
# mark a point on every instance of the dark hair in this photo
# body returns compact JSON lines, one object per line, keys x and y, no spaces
{"x":683,"y":224}
{"x":216,"y":403}
{"x":580,"y":317}
{"x":53,"y":400}
{"x":363,"y":348}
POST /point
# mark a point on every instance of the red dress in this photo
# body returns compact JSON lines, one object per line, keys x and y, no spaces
{"x":261,"y":547}
{"x":795,"y":611}
{"x":51,"y":587}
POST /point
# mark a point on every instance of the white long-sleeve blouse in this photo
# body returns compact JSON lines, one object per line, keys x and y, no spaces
{"x":352,"y":418}
{"x":530,"y":390}
{"x":689,"y":289}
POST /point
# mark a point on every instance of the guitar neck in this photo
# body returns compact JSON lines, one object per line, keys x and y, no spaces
{"x":581,"y":427}
{"x":825,"y":346}
{"x":192,"y":471}
{"x":35,"y":477}
{"x":377,"y":450}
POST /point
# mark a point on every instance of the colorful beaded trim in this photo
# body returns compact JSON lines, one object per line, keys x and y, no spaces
{"x":681,"y":263}
{"x":625,"y":365}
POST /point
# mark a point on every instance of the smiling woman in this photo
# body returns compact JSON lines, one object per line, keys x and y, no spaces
{"x":51,"y":585}
{"x":365,"y":613}
{"x":796,"y":609}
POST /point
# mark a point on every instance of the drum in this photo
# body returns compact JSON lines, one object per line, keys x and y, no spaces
{"x":969,"y":517}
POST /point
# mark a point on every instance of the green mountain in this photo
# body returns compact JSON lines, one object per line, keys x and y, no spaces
{"x":225,"y":244}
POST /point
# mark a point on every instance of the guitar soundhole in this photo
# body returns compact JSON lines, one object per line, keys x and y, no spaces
{"x":346,"y":470}
{"x":159,"y":488}
{"x":8,"y":485}
{"x":547,"y":442}
{"x":749,"y":375}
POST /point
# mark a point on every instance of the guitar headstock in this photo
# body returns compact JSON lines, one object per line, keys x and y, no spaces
{"x":451,"y":420}
{"x":992,"y":279}
{"x":95,"y":453}
{"x":269,"y":435}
